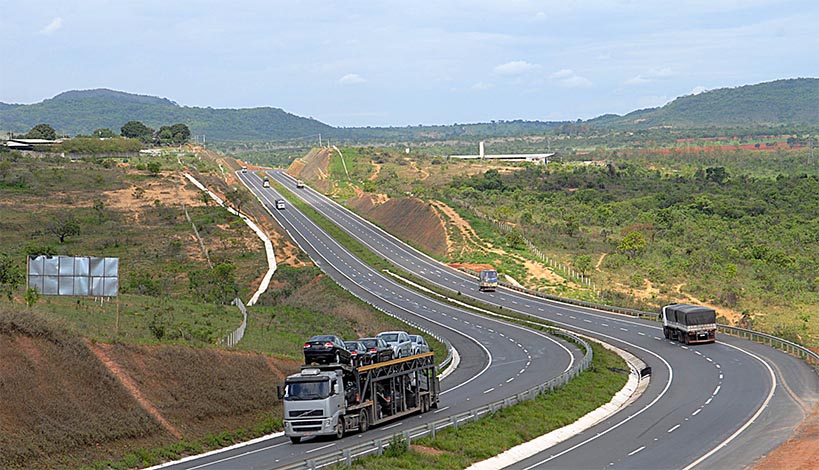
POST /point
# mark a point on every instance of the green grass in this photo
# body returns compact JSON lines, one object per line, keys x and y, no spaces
{"x":473,"y":442}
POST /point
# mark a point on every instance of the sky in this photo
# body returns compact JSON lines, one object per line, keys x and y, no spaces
{"x":358,"y":63}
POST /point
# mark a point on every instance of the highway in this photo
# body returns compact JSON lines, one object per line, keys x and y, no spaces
{"x":719,"y":405}
{"x":496,"y":359}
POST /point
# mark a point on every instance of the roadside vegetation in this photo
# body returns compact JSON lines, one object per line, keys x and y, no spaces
{"x":458,"y":448}
{"x":734,"y":229}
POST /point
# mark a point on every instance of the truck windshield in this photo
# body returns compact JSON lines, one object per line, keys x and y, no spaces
{"x":489,"y":276}
{"x":317,"y":390}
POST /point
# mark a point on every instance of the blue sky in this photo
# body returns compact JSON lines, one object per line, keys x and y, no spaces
{"x":359,"y":63}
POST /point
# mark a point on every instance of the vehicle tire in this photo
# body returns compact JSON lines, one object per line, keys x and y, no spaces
{"x":340,"y":428}
{"x":295,"y":439}
{"x":363,"y":421}
{"x":666,"y":333}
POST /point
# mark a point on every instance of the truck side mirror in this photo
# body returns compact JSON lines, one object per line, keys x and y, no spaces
{"x":279,"y":392}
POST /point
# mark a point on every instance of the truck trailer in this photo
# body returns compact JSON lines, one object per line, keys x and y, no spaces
{"x":336,"y":398}
{"x":689,"y":323}
{"x":488,"y":280}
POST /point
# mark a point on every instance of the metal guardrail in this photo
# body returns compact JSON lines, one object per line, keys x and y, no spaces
{"x":377,"y":446}
{"x":773,"y":341}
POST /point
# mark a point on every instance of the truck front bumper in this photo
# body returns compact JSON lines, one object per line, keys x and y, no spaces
{"x":310,"y":427}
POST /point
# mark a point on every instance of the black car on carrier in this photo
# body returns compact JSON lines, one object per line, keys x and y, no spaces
{"x":326,"y":349}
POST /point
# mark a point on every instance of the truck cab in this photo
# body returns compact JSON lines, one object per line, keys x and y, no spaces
{"x":488,"y":280}
{"x":279,"y":204}
{"x":314,"y":402}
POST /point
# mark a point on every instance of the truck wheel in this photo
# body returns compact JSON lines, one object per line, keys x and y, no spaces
{"x":666,"y":333}
{"x":295,"y":439}
{"x":363,"y":421}
{"x":340,"y":428}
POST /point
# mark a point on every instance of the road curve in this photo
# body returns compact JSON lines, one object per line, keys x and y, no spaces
{"x":711,"y":406}
{"x":497,"y":359}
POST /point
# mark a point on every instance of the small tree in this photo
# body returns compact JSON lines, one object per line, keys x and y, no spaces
{"x":11,"y":275}
{"x":42,"y":131}
{"x":137,"y":130}
{"x":32,"y":296}
{"x":63,"y":225}
{"x":154,"y":167}
{"x":583,"y":263}
{"x":633,"y":244}
{"x":103,"y":133}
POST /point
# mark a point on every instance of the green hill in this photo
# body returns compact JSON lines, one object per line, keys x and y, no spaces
{"x":81,"y":112}
{"x":791,"y":102}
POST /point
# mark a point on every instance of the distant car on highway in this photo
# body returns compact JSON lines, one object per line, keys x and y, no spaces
{"x":299,"y":184}
{"x":399,"y":341}
{"x":279,"y":204}
{"x":378,"y":349}
{"x":419,"y":344}
{"x":326,"y":349}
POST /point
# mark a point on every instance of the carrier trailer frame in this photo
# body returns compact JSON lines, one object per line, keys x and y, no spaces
{"x":337,"y":398}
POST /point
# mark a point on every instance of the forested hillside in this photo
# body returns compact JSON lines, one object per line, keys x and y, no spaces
{"x":81,"y":112}
{"x":792,"y":102}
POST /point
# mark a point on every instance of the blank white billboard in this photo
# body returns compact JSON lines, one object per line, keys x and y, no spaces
{"x":74,"y":275}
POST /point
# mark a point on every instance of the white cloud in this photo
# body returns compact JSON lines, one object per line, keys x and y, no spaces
{"x":481,"y":86}
{"x":539,"y":16}
{"x":55,"y":24}
{"x":698,"y":89}
{"x":569,"y":79}
{"x":515,"y":67}
{"x":650,"y":75}
{"x":351,"y":79}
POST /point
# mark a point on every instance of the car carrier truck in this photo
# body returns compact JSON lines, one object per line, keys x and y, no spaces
{"x":488,"y":280}
{"x":689,"y":323}
{"x":336,"y":398}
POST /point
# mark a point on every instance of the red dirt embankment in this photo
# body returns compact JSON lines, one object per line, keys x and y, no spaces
{"x":67,"y":403}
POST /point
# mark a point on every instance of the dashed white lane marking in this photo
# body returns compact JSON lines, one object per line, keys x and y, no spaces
{"x":587,"y":321}
{"x":393,"y":425}
{"x":708,"y":359}
{"x":716,"y":390}
{"x":521,"y":371}
{"x":510,"y":379}
{"x":708,"y":401}
{"x":623,"y":329}
{"x":324,"y":447}
{"x":696,"y":412}
{"x":440,"y":410}
{"x":641,"y":333}
{"x":490,"y":390}
{"x":604,"y":324}
{"x":673,"y":429}
{"x":635,"y":451}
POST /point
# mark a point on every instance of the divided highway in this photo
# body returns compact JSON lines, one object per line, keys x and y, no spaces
{"x":719,"y":405}
{"x":496,"y":359}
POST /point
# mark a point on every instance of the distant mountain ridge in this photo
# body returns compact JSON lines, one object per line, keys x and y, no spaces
{"x":781,"y":102}
{"x":790,"y":101}
{"x":82,"y":111}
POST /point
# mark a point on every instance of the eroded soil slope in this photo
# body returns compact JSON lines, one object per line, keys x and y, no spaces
{"x":67,"y":402}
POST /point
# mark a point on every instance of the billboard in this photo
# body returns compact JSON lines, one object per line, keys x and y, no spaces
{"x":74,"y":275}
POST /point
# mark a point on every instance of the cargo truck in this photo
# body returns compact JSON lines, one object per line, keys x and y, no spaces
{"x":689,"y":323}
{"x":336,"y":398}
{"x":488,"y":280}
